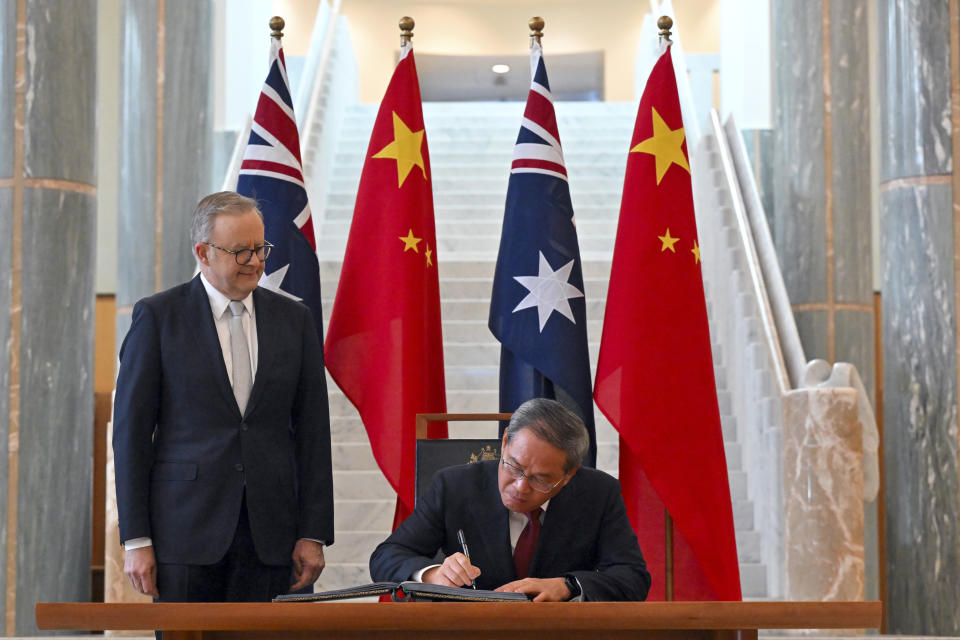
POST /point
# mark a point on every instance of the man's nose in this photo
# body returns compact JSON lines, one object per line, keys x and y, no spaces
{"x":523,"y":482}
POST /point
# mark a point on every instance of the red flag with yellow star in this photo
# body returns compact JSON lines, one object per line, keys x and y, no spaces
{"x":655,"y":369}
{"x":384,"y":346}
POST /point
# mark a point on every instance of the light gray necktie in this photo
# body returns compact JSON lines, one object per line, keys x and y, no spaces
{"x":240,"y":354}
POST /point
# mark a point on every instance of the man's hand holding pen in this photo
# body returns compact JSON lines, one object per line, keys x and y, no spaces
{"x":456,"y":571}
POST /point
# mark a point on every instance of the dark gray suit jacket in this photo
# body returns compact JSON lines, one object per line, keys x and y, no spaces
{"x":585,"y":533}
{"x":184,"y":455}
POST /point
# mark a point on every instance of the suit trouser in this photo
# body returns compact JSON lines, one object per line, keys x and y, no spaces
{"x":239,"y":576}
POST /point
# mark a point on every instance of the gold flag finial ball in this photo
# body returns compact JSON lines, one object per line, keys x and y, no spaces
{"x":536,"y":29}
{"x":406,"y":29}
{"x":665,"y":23}
{"x":276,"y":26}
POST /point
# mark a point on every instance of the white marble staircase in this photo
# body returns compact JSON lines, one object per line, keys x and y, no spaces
{"x":471,"y":146}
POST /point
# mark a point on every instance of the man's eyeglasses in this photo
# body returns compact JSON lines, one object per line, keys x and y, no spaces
{"x":538,"y":484}
{"x":243,"y":256}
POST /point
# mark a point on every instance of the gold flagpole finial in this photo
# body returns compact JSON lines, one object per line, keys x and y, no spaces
{"x":536,"y":29}
{"x":665,"y":23}
{"x":276,"y":27}
{"x":406,"y":29}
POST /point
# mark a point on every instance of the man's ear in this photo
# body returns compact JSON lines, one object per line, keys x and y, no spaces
{"x":200,"y":250}
{"x":503,"y":443}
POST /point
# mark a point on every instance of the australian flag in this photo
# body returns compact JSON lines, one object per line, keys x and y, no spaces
{"x":538,"y":312}
{"x":272,"y":174}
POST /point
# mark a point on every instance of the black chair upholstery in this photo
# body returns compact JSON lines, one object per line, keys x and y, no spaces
{"x":433,"y":455}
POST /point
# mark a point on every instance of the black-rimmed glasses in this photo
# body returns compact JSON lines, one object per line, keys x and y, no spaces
{"x":243,"y":256}
{"x":538,"y":484}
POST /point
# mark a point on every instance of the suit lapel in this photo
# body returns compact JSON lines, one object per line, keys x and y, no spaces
{"x":491,"y":518}
{"x":560,"y":519}
{"x":266,"y":345}
{"x":198,"y":315}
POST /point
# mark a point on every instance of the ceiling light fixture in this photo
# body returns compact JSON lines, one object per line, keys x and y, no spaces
{"x":500,"y":68}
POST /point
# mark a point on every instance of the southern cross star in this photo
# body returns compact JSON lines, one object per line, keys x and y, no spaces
{"x":272,"y":282}
{"x":549,"y":292}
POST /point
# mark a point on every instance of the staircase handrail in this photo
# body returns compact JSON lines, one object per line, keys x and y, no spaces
{"x":313,"y":63}
{"x":776,"y":290}
{"x":312,"y":114}
{"x":232,"y":173}
{"x":771,"y":335}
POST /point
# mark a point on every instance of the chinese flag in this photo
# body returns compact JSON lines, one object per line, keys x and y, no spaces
{"x":655,"y":369}
{"x":384,"y":346}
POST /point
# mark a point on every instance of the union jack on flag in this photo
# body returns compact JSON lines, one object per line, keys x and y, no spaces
{"x":272,"y":174}
{"x":537,"y":310}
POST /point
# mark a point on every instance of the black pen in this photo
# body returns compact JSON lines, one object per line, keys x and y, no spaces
{"x":466,"y":552}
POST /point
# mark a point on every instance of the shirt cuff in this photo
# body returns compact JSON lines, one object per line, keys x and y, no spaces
{"x":319,"y":542}
{"x":418,"y":575}
{"x":137,"y":543}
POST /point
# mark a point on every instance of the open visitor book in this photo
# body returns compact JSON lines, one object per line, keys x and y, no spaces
{"x":408,"y":591}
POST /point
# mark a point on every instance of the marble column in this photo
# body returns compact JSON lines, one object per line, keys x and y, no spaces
{"x":47,"y":244}
{"x":166,"y":148}
{"x":166,"y":166}
{"x":821,"y":187}
{"x":821,"y":166}
{"x":823,"y":495}
{"x":919,"y":97}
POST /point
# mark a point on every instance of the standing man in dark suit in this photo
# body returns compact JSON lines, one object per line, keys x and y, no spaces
{"x":535,"y":521}
{"x":221,"y":427}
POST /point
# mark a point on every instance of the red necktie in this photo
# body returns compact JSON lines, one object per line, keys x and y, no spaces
{"x":527,"y":543}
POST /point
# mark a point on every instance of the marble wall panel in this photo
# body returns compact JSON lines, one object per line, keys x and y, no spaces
{"x":812,"y":327}
{"x":138,"y":117}
{"x":6,"y":206}
{"x":56,"y":401}
{"x":850,"y":151}
{"x":855,"y":343}
{"x":8,"y":38}
{"x":798,"y":149}
{"x":914,"y":88}
{"x":920,"y":411}
{"x":59,"y":133}
{"x":823,"y":495}
{"x":188,"y":131}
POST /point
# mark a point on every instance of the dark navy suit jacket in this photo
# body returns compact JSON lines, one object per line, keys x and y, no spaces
{"x":184,"y":455}
{"x":585,"y":533}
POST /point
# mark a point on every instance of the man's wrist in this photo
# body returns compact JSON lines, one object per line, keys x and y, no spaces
{"x":319,"y":542}
{"x":573,"y":586}
{"x":136,"y":543}
{"x":418,"y":575}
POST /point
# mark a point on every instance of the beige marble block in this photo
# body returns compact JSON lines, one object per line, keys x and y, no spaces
{"x":823,"y":495}
{"x":116,"y":587}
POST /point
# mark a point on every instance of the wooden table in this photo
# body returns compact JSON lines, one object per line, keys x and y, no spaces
{"x":464,"y":621}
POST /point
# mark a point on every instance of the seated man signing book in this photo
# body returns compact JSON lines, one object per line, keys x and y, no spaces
{"x":535,"y":521}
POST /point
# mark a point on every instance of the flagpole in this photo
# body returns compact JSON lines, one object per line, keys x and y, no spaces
{"x":664,"y":23}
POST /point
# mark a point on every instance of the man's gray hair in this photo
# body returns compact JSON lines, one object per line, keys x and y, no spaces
{"x":215,"y":204}
{"x":551,"y":421}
